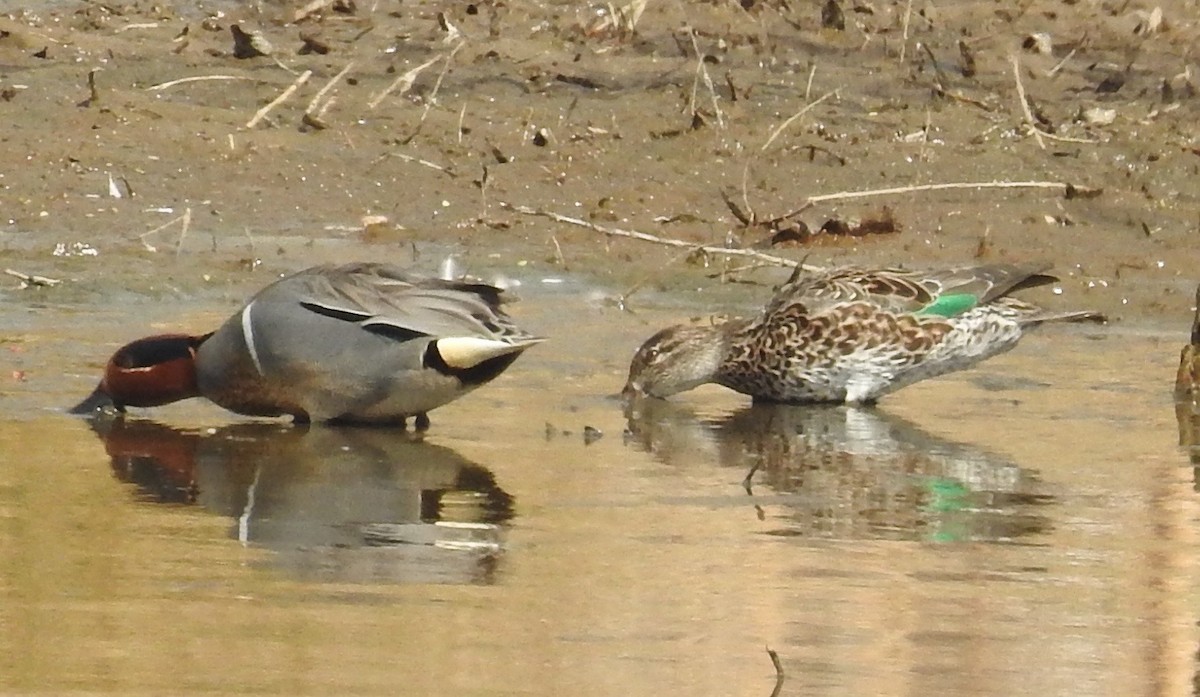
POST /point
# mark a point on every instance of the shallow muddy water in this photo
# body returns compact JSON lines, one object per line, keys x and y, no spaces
{"x":1024,"y":528}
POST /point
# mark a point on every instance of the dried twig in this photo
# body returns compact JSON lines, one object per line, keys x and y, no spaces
{"x":262,"y":113}
{"x":779,"y":675}
{"x":779,"y":129}
{"x":843,"y":195}
{"x":310,"y":9}
{"x":416,"y":160}
{"x":1029,"y":120}
{"x":848,"y":195}
{"x":316,"y":100}
{"x":702,"y":74}
{"x":197,"y":78}
{"x":30,"y":280}
{"x":647,"y":237}
{"x":93,"y":93}
{"x":184,"y":221}
{"x":140,"y":25}
{"x":403,"y":83}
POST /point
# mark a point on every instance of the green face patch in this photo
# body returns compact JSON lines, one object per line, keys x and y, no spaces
{"x":950,"y":305}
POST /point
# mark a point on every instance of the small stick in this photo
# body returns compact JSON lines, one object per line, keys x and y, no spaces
{"x":779,"y":675}
{"x":843,"y":195}
{"x":143,"y":25}
{"x":404,"y":83}
{"x":779,"y":129}
{"x":1061,"y":63}
{"x":558,"y":255}
{"x":187,"y":221}
{"x":310,"y":8}
{"x":904,"y":41}
{"x":1037,"y":132}
{"x":431,"y":99}
{"x":197,"y":78}
{"x":646,"y":237}
{"x":1083,"y":43}
{"x":328,"y":86}
{"x":187,"y":216}
{"x":416,"y":160}
{"x":847,"y":195}
{"x":29,"y":280}
{"x":261,"y":113}
{"x":750,"y":266}
{"x":93,"y":93}
{"x":1068,"y":139}
{"x":702,"y":72}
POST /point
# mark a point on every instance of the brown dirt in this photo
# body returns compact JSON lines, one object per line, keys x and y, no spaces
{"x":536,"y":104}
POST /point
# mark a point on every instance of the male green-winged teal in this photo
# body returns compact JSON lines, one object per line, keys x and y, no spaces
{"x":356,"y":343}
{"x":849,"y":335}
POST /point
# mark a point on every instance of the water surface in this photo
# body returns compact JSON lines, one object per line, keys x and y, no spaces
{"x":1025,"y":528}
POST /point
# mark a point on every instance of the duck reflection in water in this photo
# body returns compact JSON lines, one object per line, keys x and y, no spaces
{"x":847,"y":472}
{"x":344,"y":505}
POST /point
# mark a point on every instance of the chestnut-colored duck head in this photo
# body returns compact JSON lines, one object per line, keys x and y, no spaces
{"x":148,"y":372}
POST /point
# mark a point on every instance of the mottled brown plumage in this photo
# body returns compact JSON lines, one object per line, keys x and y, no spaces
{"x":849,"y":335}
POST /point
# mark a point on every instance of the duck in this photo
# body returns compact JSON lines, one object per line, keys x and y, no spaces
{"x":850,"y":335}
{"x":358,"y":343}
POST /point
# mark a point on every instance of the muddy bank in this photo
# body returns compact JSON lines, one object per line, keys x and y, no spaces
{"x":655,"y":123}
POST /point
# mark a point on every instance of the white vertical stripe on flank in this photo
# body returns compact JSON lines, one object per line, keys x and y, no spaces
{"x":248,"y":335}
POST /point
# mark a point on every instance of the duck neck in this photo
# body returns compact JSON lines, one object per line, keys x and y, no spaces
{"x":154,"y":371}
{"x":723,"y":347}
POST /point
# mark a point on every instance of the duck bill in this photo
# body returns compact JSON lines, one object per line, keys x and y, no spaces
{"x":98,"y":400}
{"x":632,"y":391}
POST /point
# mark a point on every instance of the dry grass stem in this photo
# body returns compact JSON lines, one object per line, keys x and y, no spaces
{"x":647,"y":237}
{"x":779,"y":674}
{"x":847,"y":195}
{"x":197,"y":78}
{"x":311,"y":8}
{"x":621,"y":20}
{"x":904,"y":38}
{"x":1029,"y":120}
{"x":184,"y":221}
{"x":262,"y":113}
{"x":30,"y":280}
{"x":780,"y":128}
{"x":1058,"y":66}
{"x":1068,"y":139}
{"x":184,"y":224}
{"x":702,"y":75}
{"x":425,"y":163}
{"x":316,"y":100}
{"x":437,"y":85}
{"x":401,"y":84}
{"x":140,"y":25}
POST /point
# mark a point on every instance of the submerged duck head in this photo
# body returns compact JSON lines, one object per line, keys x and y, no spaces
{"x":148,"y":372}
{"x":675,"y":360}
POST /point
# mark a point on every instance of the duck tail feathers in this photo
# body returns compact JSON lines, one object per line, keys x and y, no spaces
{"x":464,"y":352}
{"x":1067,"y":316}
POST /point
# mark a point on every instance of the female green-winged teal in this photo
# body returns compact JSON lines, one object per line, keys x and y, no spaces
{"x":357,"y":343}
{"x":849,"y":335}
